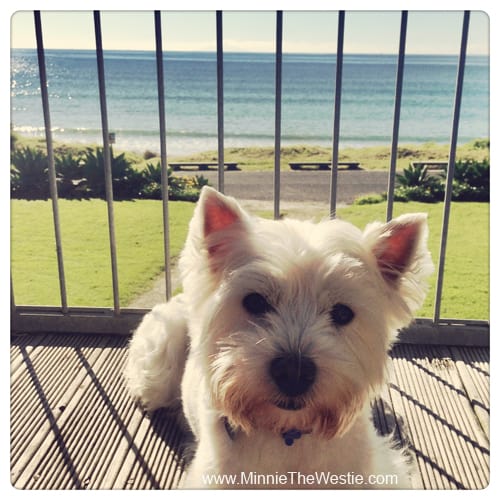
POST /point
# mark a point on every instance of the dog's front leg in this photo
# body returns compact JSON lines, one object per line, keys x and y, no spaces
{"x":157,"y":355}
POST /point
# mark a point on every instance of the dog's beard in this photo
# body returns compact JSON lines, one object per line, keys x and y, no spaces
{"x":252,"y":405}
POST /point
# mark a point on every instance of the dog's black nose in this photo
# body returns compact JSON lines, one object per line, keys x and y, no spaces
{"x":293,"y":374}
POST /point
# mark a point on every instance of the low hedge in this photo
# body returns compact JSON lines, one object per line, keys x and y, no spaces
{"x":81,"y":176}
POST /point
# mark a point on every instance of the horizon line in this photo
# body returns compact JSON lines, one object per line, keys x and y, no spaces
{"x":206,"y":51}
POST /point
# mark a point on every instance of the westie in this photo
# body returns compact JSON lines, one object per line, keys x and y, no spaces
{"x":278,"y":343}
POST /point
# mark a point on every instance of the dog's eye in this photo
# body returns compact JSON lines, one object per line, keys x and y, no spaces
{"x":341,"y":314}
{"x":256,"y":304}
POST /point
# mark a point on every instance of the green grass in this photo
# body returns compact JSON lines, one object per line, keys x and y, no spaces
{"x":466,"y":278}
{"x":140,"y":250}
{"x":139,"y":238}
{"x":370,"y":158}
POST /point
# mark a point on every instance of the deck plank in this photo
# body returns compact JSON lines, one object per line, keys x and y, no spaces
{"x":446,"y":433}
{"x":73,"y":425}
{"x":475,"y":379}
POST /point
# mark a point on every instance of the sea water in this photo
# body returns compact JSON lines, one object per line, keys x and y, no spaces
{"x":308,"y":87}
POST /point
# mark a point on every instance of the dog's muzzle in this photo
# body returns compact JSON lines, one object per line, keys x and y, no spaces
{"x":293,"y":374}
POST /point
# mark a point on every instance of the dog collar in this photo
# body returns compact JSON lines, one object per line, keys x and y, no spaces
{"x":289,"y":436}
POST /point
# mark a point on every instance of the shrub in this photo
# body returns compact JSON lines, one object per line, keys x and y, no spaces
{"x":71,"y":182}
{"x":127,"y":182}
{"x":370,"y":199}
{"x":149,"y":154}
{"x":416,"y":193}
{"x":472,"y":180}
{"x":481,"y":144}
{"x":185,"y":188}
{"x":416,"y":184}
{"x":29,"y":174}
{"x":180,"y":188}
{"x":471,"y":183}
{"x":417,"y":175}
{"x":151,"y":187}
{"x":81,"y":175}
{"x":13,"y":139}
{"x":200,"y":181}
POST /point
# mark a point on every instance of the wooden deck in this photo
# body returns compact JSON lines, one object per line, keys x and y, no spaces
{"x":73,"y":426}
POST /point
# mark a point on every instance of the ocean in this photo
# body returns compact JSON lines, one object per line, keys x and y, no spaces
{"x":191,"y":99}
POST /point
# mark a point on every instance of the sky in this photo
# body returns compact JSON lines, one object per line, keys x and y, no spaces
{"x":429,"y":32}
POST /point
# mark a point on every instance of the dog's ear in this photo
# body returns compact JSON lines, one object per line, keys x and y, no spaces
{"x":218,"y":241}
{"x":224,"y":226}
{"x":219,"y":211}
{"x":396,"y":245}
{"x":400,"y":248}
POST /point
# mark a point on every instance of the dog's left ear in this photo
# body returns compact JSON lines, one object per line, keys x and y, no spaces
{"x":396,"y":245}
{"x":400,"y":248}
{"x":224,"y":227}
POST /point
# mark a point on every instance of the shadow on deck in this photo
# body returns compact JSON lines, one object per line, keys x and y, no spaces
{"x":73,"y":425}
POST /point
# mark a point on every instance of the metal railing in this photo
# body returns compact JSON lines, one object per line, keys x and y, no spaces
{"x":124,"y":320}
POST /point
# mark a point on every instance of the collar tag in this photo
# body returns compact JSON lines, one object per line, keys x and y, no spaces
{"x":290,"y":436}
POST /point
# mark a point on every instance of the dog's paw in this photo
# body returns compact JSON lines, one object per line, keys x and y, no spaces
{"x":157,"y":355}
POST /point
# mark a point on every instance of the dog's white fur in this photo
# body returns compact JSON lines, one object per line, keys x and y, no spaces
{"x":206,"y":347}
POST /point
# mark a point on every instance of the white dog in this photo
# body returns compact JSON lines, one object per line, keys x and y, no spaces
{"x":279,"y":342}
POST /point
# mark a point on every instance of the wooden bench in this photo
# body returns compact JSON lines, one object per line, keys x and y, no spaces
{"x":433,"y":165}
{"x":202,"y":165}
{"x":322,"y":165}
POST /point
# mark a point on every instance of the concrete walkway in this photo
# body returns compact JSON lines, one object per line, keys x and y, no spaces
{"x":301,"y":186}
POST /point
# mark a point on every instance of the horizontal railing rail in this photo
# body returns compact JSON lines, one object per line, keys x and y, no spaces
{"x":102,"y":320}
{"x":123,"y":320}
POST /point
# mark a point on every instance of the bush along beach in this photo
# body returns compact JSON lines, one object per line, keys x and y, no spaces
{"x":179,"y":188}
{"x":417,"y":182}
{"x":80,"y":170}
{"x":471,"y":182}
{"x":80,"y":175}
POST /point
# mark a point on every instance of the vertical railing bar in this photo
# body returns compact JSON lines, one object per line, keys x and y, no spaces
{"x":451,"y":165}
{"x":220,"y":103}
{"x":336,"y":116}
{"x":397,"y":115}
{"x":50,"y":158}
{"x":13,"y":307}
{"x":277,"y":114}
{"x":163,"y":152}
{"x":108,"y":177}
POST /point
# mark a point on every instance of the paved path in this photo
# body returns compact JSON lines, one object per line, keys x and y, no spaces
{"x":304,"y":194}
{"x":301,"y":186}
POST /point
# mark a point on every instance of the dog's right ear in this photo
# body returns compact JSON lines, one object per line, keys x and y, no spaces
{"x":224,"y":227}
{"x":218,"y":241}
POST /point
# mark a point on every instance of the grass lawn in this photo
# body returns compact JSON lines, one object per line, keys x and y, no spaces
{"x":139,"y":239}
{"x":369,"y":157}
{"x":140,"y":250}
{"x":466,"y":278}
